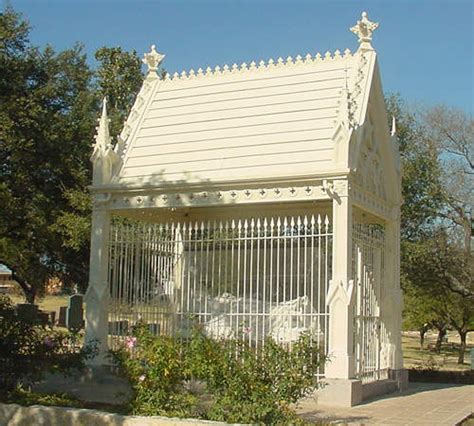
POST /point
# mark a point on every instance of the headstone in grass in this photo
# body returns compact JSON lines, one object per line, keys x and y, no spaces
{"x":154,"y":328}
{"x":62,"y":316}
{"x":118,"y":328}
{"x":75,"y":313}
{"x":27,"y":312}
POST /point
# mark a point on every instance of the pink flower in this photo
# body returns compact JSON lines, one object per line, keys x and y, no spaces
{"x":246,"y":330}
{"x":142,"y":378}
{"x":130,"y":342}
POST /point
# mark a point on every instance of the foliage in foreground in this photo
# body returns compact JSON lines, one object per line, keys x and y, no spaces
{"x":27,"y":350}
{"x":220,"y":380}
{"x":23,"y":396}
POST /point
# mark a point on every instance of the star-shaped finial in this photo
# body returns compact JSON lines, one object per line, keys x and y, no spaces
{"x":364,"y":29}
{"x":153,"y":59}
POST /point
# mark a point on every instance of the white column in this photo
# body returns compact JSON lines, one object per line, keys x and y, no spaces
{"x":392,"y":301}
{"x":97,"y":296}
{"x":341,"y":292}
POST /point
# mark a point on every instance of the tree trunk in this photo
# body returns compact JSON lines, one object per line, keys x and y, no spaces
{"x":29,"y":291}
{"x":462,"y":346}
{"x":423,"y":331}
{"x":439,"y":340}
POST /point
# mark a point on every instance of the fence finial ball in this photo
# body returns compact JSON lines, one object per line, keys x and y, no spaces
{"x":153,"y":59}
{"x":364,"y":29}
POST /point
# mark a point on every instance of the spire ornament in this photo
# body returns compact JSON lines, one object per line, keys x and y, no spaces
{"x":364,"y":29}
{"x":102,"y":138}
{"x":103,"y":156}
{"x":153,"y":59}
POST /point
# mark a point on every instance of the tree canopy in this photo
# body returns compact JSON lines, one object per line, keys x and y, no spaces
{"x":47,"y":122}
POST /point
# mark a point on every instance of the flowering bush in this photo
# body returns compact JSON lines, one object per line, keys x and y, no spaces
{"x":28,"y":350}
{"x":154,"y":367}
{"x":223,"y":380}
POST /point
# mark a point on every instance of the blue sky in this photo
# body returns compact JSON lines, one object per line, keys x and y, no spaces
{"x":425,"y":47}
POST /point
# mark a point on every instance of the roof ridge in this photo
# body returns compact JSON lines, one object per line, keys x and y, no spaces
{"x":260,"y":66}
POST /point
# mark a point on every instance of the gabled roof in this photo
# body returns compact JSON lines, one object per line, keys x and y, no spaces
{"x":271,"y":120}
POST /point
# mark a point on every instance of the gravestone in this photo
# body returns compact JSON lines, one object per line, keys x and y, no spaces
{"x":118,"y":328}
{"x":75,"y":313}
{"x":62,"y":316}
{"x":27,"y":312}
{"x":154,"y":328}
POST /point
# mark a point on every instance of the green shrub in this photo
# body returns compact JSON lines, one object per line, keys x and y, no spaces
{"x":232,"y":382}
{"x":28,"y":350}
{"x":154,"y":367}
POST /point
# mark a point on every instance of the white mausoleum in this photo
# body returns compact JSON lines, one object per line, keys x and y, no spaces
{"x":261,"y":200}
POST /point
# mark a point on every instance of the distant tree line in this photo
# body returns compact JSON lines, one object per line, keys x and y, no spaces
{"x":437,"y":153}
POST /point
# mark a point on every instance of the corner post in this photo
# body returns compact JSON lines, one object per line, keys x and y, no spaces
{"x":97,"y":296}
{"x":342,"y":388}
{"x":340,"y":293}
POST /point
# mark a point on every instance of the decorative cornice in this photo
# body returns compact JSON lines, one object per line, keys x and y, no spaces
{"x":371,"y":202}
{"x":159,"y":199}
{"x":261,"y":66}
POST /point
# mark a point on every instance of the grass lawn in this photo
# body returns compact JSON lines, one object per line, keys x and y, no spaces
{"x":446,"y":360}
{"x":48,"y":303}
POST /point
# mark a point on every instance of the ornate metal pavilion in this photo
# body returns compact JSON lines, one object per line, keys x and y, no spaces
{"x":262,"y":200}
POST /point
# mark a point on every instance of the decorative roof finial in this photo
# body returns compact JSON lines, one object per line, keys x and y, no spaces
{"x":153,"y":59}
{"x":102,"y":139}
{"x":364,"y":29}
